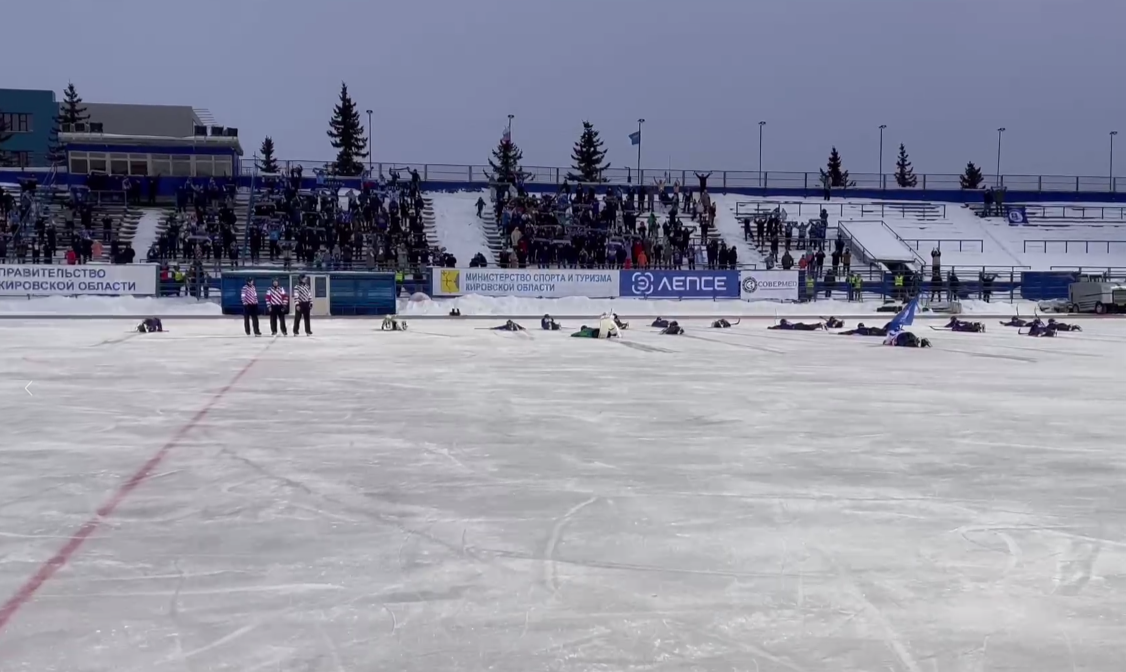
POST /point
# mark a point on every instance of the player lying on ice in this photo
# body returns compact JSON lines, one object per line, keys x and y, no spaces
{"x":1017,"y":322}
{"x":833,"y":323}
{"x":960,"y":325}
{"x":787,"y":325}
{"x":1062,"y":326}
{"x":724,"y":324}
{"x":660,"y":323}
{"x":862,"y":330}
{"x":149,"y":325}
{"x":905,"y":339}
{"x":509,"y":326}
{"x":673,"y":329}
{"x":607,"y":328}
{"x":548,"y":323}
{"x":618,"y":322}
{"x":392,"y":324}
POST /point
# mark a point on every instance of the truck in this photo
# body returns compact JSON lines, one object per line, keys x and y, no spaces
{"x":1098,"y":294}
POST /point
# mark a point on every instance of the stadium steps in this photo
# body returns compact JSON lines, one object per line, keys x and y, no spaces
{"x":493,"y":238}
{"x":430,"y":222}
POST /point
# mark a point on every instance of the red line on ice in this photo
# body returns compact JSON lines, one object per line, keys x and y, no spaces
{"x":60,"y":559}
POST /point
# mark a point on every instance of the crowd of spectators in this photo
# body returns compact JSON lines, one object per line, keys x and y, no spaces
{"x":203,"y":226}
{"x":662,"y":226}
{"x":29,"y":232}
{"x":329,"y":228}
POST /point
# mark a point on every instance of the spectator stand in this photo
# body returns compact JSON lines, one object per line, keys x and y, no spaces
{"x":382,"y":225}
{"x":599,"y":226}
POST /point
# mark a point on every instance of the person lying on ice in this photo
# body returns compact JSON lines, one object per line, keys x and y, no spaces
{"x":1062,"y":326}
{"x":660,"y":323}
{"x":723,"y":324}
{"x":673,"y":329}
{"x":959,"y":325}
{"x":618,"y":321}
{"x":585,"y":332}
{"x":548,"y":323}
{"x":1017,"y":322}
{"x":906,"y":339}
{"x":607,"y":328}
{"x":149,"y":325}
{"x":862,"y":330}
{"x":1040,"y":330}
{"x":392,"y":324}
{"x":833,"y":323}
{"x":509,"y":326}
{"x":787,"y":325}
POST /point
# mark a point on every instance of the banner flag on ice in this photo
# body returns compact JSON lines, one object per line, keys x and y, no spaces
{"x":904,"y":318}
{"x":635,"y":138}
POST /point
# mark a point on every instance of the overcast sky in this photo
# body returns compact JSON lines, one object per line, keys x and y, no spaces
{"x":442,"y":75}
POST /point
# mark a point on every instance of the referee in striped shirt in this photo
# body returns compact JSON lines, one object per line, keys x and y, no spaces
{"x":250,"y":307}
{"x":303,"y":297}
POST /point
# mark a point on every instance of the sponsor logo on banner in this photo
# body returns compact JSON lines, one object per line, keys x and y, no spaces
{"x":769,"y":285}
{"x":530,"y":283}
{"x":87,"y":279}
{"x":680,"y":284}
{"x":1017,"y":215}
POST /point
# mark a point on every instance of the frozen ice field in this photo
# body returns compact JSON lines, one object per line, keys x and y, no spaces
{"x":456,"y":499}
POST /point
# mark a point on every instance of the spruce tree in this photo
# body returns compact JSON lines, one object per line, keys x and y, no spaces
{"x":5,"y":136}
{"x":904,"y":173}
{"x":72,"y":112}
{"x":347,"y":135}
{"x":588,"y":156}
{"x":836,"y":176}
{"x":56,"y":152}
{"x":506,"y":162}
{"x":972,"y":178}
{"x":266,"y":161}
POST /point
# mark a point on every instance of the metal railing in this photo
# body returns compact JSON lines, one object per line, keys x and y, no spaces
{"x":736,"y":179}
{"x":1103,"y":246}
{"x":1084,"y":212}
{"x":920,"y":210}
{"x":967,"y":245}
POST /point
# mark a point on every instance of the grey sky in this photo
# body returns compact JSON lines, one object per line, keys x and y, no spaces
{"x":441,"y":75}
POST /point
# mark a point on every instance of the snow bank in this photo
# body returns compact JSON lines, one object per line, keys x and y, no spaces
{"x":474,"y":305}
{"x":96,"y":306}
{"x":146,"y":230}
{"x":457,"y":226}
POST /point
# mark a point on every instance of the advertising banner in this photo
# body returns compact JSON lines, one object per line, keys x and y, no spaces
{"x":769,"y":285}
{"x":86,"y":279}
{"x":680,"y":284}
{"x":530,"y":283}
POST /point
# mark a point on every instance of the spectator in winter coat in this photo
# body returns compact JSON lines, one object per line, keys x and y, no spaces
{"x":846,"y":260}
{"x":787,"y":261}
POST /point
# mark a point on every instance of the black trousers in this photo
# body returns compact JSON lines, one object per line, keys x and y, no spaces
{"x":301,"y":311}
{"x":250,"y":316}
{"x":277,"y":318}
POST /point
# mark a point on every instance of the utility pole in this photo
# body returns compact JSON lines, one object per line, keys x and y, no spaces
{"x":882,"y":127}
{"x":760,"y":125}
{"x":370,"y":143}
{"x":1112,"y":134}
{"x":999,"y":132}
{"x":639,"y":123}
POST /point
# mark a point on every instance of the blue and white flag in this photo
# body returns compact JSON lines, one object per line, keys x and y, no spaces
{"x":904,"y":318}
{"x":635,"y":138}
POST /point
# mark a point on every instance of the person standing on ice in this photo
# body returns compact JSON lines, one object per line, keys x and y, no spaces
{"x":250,"y":307}
{"x":303,"y":297}
{"x":277,"y":301}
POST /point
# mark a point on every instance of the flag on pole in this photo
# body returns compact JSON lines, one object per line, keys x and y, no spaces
{"x":903,"y":318}
{"x":506,"y":137}
{"x":635,"y":138}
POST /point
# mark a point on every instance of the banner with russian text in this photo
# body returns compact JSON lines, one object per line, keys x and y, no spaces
{"x":81,"y":280}
{"x":529,"y":283}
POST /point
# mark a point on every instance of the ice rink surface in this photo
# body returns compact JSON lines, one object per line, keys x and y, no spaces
{"x":457,"y":499}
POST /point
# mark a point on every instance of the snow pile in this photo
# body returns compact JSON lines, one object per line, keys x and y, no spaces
{"x":732,"y":229}
{"x":147,"y":229}
{"x":96,"y":306}
{"x":457,"y":226}
{"x":508,"y":306}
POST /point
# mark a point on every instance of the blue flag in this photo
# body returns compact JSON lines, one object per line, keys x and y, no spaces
{"x":904,"y":318}
{"x":635,"y":138}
